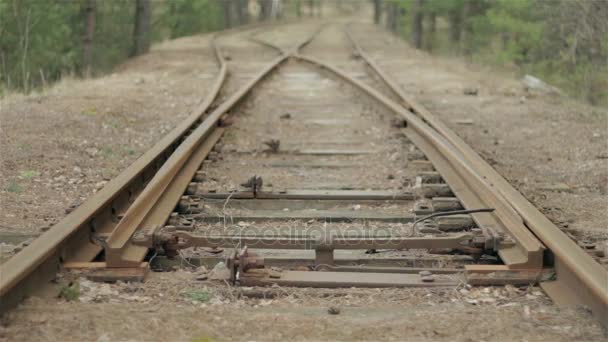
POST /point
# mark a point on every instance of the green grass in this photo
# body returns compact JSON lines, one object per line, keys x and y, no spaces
{"x":203,"y":339}
{"x":229,"y":136}
{"x":107,"y":152}
{"x":14,"y":188}
{"x":29,"y":174}
{"x":199,"y":296}
{"x":92,"y":111}
{"x":70,"y":292}
{"x":129,"y":151}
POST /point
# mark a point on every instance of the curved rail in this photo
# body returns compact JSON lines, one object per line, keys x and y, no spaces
{"x":281,"y":50}
{"x":262,"y":42}
{"x":120,"y":252}
{"x":135,"y":195}
{"x":481,"y":194}
{"x":42,"y":257}
{"x":580,"y":279}
{"x":72,"y":237}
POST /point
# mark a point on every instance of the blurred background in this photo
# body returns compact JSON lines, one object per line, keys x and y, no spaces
{"x":564,"y":42}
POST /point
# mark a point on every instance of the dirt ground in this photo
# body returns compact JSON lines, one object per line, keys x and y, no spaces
{"x":177,"y":307}
{"x":45,"y":171}
{"x":61,"y":145}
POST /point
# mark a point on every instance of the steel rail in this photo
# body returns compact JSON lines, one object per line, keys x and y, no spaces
{"x":528,"y":252}
{"x":580,"y":279}
{"x":278,"y":49}
{"x":39,"y":261}
{"x":71,"y":238}
{"x":120,"y":252}
{"x":439,"y":151}
{"x":262,"y":42}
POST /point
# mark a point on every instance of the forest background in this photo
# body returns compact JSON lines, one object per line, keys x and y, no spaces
{"x":563,"y":42}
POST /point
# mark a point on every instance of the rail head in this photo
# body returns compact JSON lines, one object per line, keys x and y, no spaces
{"x":119,"y":239}
{"x":476,"y":181}
{"x":583,"y":278}
{"x":52,"y":241}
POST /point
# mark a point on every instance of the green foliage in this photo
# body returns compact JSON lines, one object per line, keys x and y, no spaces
{"x":203,"y":339}
{"x":199,"y":296}
{"x":91,"y":111}
{"x":519,"y":27}
{"x":564,"y":42}
{"x":14,"y":188}
{"x":107,"y":152}
{"x":40,"y":41}
{"x":187,"y":17}
{"x":112,"y":40}
{"x":36,"y":41}
{"x":29,"y":174}
{"x":70,"y":292}
{"x":129,"y":152}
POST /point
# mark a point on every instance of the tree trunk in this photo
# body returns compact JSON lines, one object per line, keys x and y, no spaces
{"x":275,"y":10}
{"x":311,"y":7}
{"x":265,"y":8}
{"x":430,"y":37}
{"x":377,"y":11}
{"x":417,"y":29}
{"x":393,"y":16}
{"x":236,"y":13}
{"x":598,"y":51}
{"x":175,"y":24}
{"x":227,"y":11}
{"x":455,"y":17}
{"x":470,"y":10}
{"x":299,"y":8}
{"x":505,"y":38}
{"x":396,"y":17}
{"x":243,"y":11}
{"x":87,"y":41}
{"x":389,"y":16}
{"x":141,"y":31}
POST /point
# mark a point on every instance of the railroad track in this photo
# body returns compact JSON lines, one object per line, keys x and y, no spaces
{"x":377,"y":193}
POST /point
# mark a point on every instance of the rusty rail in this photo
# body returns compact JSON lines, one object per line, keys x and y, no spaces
{"x":40,"y":260}
{"x":120,"y":252}
{"x":478,"y":192}
{"x":283,"y":51}
{"x":70,"y":239}
{"x":124,"y":197}
{"x":580,"y":279}
{"x":142,"y":197}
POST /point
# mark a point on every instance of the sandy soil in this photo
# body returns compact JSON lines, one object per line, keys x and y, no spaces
{"x":177,"y":306}
{"x":62,"y":144}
